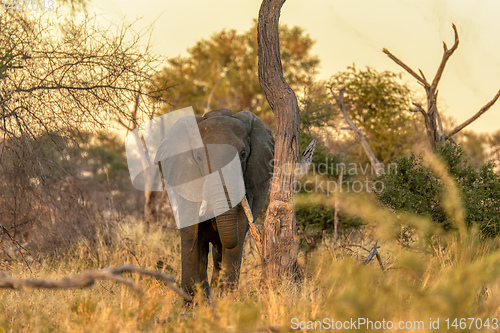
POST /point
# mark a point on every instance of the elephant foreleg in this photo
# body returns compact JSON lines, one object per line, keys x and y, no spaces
{"x":194,"y":259}
{"x":217,"y":259}
{"x":205,"y":249}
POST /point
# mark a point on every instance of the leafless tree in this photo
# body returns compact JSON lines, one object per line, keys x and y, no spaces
{"x":433,"y":123}
{"x":61,"y":79}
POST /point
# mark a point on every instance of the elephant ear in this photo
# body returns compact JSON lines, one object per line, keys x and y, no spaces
{"x":259,"y":166}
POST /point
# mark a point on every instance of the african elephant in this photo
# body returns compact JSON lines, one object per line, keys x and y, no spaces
{"x":253,"y":143}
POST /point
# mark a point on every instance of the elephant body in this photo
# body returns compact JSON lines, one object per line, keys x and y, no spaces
{"x":226,"y":232}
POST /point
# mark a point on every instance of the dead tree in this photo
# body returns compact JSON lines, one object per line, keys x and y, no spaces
{"x":432,"y":118}
{"x":280,"y":241}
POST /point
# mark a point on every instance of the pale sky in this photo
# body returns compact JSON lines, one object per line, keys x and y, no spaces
{"x":354,"y":31}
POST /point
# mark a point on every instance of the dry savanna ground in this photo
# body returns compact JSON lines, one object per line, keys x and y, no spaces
{"x":433,"y":275}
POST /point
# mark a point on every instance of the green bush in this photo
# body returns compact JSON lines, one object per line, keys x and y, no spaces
{"x":415,"y":188}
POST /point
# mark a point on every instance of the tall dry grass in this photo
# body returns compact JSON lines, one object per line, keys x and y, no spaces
{"x":434,"y":275}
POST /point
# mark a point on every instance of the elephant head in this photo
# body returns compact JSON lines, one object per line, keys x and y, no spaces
{"x":254,"y":145}
{"x":234,"y":145}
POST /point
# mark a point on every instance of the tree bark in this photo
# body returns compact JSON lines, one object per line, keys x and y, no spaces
{"x":280,"y":241}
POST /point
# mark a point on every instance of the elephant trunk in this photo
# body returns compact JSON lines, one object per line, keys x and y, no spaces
{"x":227,"y":226}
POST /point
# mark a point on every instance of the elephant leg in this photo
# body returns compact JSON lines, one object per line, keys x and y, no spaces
{"x":194,"y":257}
{"x":205,"y":249}
{"x":217,"y":258}
{"x":231,"y":258}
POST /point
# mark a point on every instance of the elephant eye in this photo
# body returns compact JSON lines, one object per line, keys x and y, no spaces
{"x":242,"y":154}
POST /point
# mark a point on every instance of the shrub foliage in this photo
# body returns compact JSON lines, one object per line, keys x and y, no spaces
{"x":415,"y":188}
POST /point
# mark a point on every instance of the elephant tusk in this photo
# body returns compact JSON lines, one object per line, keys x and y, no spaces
{"x":203,"y":208}
{"x":246,"y":208}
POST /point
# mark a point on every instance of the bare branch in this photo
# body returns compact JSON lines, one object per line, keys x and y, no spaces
{"x":422,"y":73}
{"x":371,"y":156}
{"x":474,"y":117}
{"x":419,"y":78}
{"x":433,"y":123}
{"x":88,"y":278}
{"x":417,"y":108}
{"x":446,"y":55}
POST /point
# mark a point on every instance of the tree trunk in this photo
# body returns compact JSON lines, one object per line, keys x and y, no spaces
{"x":280,"y":243}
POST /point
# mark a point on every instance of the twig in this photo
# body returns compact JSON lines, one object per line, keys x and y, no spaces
{"x":305,"y":236}
{"x":88,"y":278}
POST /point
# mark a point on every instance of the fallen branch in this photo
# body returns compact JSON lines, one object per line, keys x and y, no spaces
{"x":88,"y":278}
{"x":374,"y":252}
